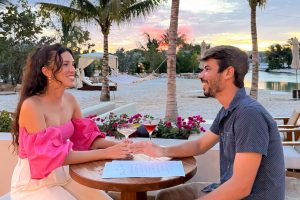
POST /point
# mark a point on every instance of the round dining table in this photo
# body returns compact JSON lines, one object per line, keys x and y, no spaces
{"x":90,"y":173}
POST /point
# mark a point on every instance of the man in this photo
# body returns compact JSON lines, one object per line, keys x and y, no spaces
{"x":251,"y":156}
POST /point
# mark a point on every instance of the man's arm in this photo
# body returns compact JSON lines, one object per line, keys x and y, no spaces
{"x":190,"y":148}
{"x":239,"y":186}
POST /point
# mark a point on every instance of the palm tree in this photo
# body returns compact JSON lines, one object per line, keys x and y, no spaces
{"x":104,"y":13}
{"x":171,"y":107}
{"x":180,"y":41}
{"x":152,"y":43}
{"x":152,"y":53}
{"x":67,"y":22}
{"x":254,"y":85}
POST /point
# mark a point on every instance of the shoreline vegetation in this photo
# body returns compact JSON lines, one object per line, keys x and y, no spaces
{"x":6,"y":88}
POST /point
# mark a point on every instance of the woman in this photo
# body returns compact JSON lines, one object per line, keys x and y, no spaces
{"x":50,"y":133}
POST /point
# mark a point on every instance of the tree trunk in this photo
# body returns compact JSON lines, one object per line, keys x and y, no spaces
{"x":171,"y":108}
{"x":65,"y":31}
{"x":254,"y":84}
{"x":105,"y":96}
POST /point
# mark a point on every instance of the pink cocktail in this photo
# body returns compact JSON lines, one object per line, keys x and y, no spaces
{"x":150,"y":125}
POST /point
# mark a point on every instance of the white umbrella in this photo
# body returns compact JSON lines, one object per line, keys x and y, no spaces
{"x":203,"y":49}
{"x":295,"y":53}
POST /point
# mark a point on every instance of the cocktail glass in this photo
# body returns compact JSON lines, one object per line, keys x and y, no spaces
{"x":150,"y":125}
{"x":126,"y":129}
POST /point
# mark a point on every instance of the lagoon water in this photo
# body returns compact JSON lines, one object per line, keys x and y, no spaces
{"x":284,"y":82}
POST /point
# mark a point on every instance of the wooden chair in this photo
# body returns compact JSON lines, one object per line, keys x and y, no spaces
{"x":290,"y":123}
{"x":292,"y":120}
{"x":291,"y":150}
{"x":88,"y":85}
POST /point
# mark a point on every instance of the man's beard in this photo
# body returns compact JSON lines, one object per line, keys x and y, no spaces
{"x":212,"y":89}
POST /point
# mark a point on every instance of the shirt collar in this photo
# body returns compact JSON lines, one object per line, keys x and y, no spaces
{"x":241,"y":93}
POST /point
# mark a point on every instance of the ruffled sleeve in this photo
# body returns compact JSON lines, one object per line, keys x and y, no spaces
{"x":85,"y":132}
{"x":45,"y":150}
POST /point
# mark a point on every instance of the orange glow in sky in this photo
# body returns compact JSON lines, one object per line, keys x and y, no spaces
{"x":217,"y":22}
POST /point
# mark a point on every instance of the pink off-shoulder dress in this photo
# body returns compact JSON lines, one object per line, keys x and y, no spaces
{"x":39,"y":173}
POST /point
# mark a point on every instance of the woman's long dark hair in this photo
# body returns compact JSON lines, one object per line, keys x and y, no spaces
{"x":34,"y":81}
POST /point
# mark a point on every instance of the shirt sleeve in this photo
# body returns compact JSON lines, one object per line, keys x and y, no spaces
{"x":85,"y":132}
{"x":251,"y":132}
{"x":45,"y":151}
{"x":215,"y":125}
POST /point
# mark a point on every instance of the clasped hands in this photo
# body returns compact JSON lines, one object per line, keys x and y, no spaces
{"x":127,"y":148}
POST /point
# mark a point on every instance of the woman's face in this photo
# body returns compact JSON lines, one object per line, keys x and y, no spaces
{"x":66,"y":75}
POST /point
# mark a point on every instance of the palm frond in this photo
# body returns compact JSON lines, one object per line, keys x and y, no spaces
{"x":68,"y":13}
{"x":137,"y":9}
{"x":85,"y":6}
{"x":259,"y":3}
{"x":61,"y":10}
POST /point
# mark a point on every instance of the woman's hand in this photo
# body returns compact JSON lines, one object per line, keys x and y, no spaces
{"x":119,"y":151}
{"x":147,"y":148}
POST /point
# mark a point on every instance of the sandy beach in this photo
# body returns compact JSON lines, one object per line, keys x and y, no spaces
{"x":150,"y":97}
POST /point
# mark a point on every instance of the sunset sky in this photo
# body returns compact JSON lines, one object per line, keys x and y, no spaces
{"x":215,"y":21}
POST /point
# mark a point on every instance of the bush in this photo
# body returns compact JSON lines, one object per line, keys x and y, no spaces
{"x":5,"y":121}
{"x":182,"y":129}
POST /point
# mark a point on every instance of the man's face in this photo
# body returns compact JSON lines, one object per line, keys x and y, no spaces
{"x":210,"y":78}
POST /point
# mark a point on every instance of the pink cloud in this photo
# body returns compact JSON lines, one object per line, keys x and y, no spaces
{"x":187,"y":30}
{"x":151,"y":30}
{"x":158,"y":31}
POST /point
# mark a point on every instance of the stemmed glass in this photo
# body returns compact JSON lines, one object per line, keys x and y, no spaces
{"x":126,"y":129}
{"x":150,"y":125}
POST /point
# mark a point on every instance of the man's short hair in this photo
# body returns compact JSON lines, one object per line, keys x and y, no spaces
{"x":230,"y":56}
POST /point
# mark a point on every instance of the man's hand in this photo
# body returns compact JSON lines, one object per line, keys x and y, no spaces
{"x":147,"y":148}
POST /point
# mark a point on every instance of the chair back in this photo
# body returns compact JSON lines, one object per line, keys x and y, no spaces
{"x":294,"y":119}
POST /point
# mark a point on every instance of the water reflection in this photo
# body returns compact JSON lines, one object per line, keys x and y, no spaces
{"x":281,"y":86}
{"x":277,"y":86}
{"x":285,"y":82}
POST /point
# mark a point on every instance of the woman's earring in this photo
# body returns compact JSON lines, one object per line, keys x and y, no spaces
{"x":50,"y":80}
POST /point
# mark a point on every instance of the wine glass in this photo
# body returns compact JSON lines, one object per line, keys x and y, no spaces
{"x":126,"y":129}
{"x":150,"y":125}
